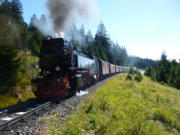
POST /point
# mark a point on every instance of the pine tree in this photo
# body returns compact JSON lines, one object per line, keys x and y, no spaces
{"x":171,"y":79}
{"x":16,"y":10}
{"x":43,"y":20}
{"x":34,"y":43}
{"x":6,"y":33}
{"x":163,"y":69}
{"x":13,"y":10}
{"x":102,"y":38}
{"x":5,"y":8}
{"x":101,"y":31}
{"x":153,"y":75}
{"x":103,"y":41}
{"x":89,"y":41}
{"x":177,"y":78}
{"x":10,"y":66}
{"x":10,"y":63}
{"x":32,"y":28}
{"x":89,"y":37}
{"x":82,"y":36}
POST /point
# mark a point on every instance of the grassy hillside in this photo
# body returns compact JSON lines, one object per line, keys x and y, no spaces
{"x":124,"y":107}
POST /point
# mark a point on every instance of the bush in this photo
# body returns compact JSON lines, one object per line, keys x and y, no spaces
{"x":138,"y":73}
{"x":131,"y":71}
{"x":129,"y":77}
{"x":138,"y":78}
{"x":148,"y":71}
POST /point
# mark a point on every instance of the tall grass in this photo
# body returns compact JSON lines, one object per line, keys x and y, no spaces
{"x":124,"y":107}
{"x":13,"y":98}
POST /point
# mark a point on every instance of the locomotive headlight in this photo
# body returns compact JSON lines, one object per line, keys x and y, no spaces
{"x":40,"y":70}
{"x":57,"y":68}
{"x":49,"y":38}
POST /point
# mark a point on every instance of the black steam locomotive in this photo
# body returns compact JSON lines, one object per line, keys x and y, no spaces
{"x":65,"y":69}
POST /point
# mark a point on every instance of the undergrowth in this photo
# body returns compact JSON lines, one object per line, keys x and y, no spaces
{"x":13,"y":97}
{"x":22,"y":91}
{"x":124,"y":107}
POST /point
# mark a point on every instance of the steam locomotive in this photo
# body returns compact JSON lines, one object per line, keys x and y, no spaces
{"x":64,"y":69}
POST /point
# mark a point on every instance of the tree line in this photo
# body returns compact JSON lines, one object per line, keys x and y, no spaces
{"x":165,"y":71}
{"x":16,"y":41}
{"x":99,"y":45}
{"x":142,"y":63}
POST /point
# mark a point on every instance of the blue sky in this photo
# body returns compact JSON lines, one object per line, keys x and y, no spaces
{"x":145,"y":27}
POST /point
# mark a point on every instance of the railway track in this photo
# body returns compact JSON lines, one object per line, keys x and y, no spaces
{"x":3,"y":113}
{"x":15,"y":120}
{"x":7,"y":120}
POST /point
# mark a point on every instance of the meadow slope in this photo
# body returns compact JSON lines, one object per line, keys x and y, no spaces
{"x":124,"y":107}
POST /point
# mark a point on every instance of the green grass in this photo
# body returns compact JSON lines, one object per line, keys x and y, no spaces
{"x":124,"y":107}
{"x":13,"y":98}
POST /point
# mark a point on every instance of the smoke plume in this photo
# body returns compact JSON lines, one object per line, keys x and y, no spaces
{"x":64,"y":12}
{"x":42,"y":25}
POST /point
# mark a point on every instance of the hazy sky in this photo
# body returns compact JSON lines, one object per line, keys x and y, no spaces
{"x":145,"y":27}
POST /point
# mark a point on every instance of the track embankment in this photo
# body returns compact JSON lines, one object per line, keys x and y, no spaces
{"x":36,"y":123}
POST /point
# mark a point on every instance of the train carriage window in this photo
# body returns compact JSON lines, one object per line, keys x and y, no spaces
{"x":84,"y":62}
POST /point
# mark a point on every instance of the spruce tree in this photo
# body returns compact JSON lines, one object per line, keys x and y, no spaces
{"x":82,"y":36}
{"x":10,"y":63}
{"x":153,"y":74}
{"x":6,"y":32}
{"x":163,"y":69}
{"x":177,"y":78}
{"x":171,"y":79}
{"x":16,"y":10}
{"x":5,"y":8}
{"x":32,"y":28}
{"x":34,"y":43}
{"x":102,"y":40}
{"x":10,"y":66}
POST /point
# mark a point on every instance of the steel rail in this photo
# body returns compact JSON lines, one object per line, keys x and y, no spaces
{"x":3,"y":113}
{"x":24,"y":116}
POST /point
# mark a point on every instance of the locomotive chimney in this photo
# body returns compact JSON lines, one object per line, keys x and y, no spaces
{"x":59,"y":35}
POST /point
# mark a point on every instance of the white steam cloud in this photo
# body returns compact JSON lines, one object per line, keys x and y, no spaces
{"x":42,"y":25}
{"x":64,"y":13}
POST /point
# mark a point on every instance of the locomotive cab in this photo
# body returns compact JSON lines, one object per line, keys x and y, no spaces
{"x":54,"y":54}
{"x":54,"y":61}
